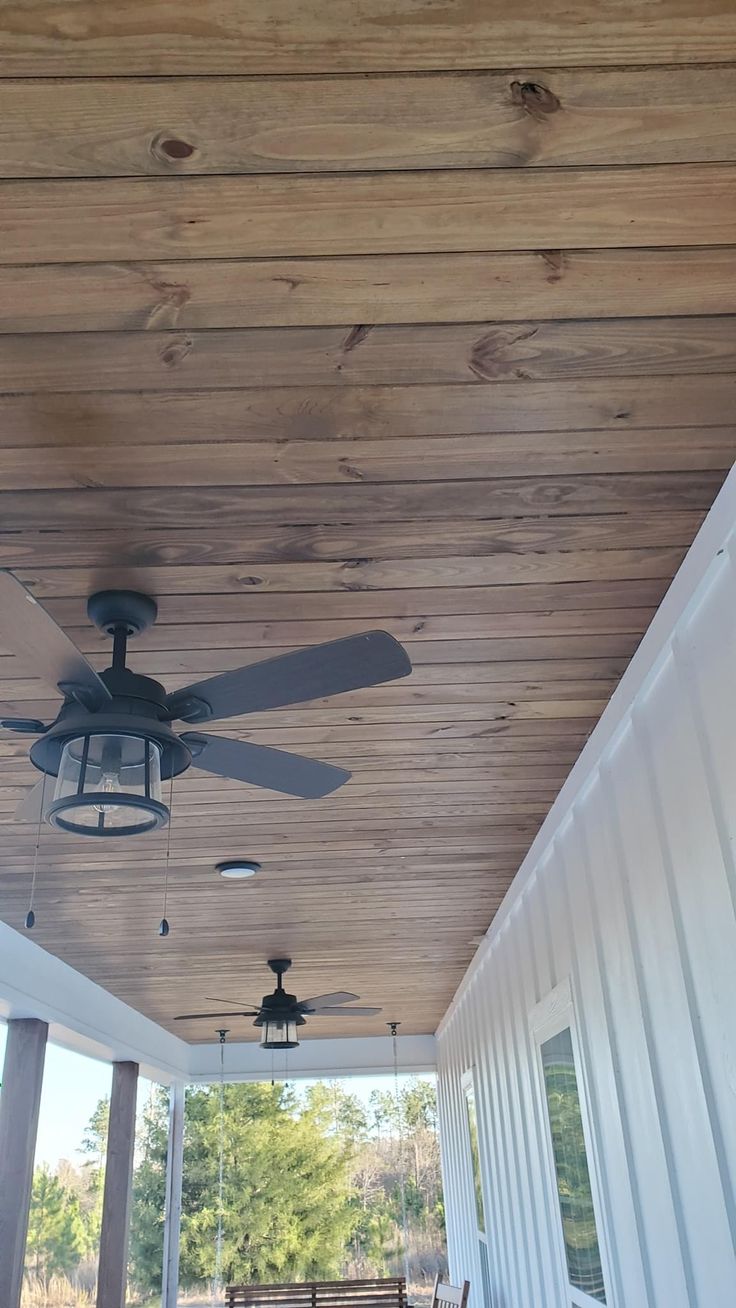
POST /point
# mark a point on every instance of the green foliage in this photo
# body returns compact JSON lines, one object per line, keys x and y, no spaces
{"x":57,"y":1238}
{"x":286,"y":1213}
{"x":311,"y":1187}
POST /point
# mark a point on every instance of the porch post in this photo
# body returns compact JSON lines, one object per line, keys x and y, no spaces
{"x":113,"y":1270}
{"x":172,"y":1219}
{"x":19,"y":1104}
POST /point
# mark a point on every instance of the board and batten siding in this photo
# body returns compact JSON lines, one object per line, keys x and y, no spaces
{"x":628,"y":896}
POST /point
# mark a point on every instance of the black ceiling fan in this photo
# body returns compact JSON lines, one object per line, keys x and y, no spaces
{"x":112,"y":744}
{"x":280,"y":1014}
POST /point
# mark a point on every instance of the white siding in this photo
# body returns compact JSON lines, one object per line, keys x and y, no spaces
{"x":630,"y":893}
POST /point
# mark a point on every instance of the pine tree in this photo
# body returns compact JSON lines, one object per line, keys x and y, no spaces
{"x":56,"y":1235}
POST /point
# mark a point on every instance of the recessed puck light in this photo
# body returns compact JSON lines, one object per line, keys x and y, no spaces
{"x":238,"y":869}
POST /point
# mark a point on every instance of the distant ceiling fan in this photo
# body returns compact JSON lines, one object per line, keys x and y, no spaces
{"x":279,"y":1015}
{"x":111,"y":744}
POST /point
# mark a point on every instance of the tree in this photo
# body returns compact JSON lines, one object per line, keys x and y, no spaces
{"x":56,"y":1236}
{"x":286,"y":1211}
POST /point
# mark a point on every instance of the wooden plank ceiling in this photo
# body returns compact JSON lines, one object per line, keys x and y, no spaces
{"x":325,"y":316}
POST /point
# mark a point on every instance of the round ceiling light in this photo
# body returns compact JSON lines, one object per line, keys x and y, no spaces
{"x":238,"y":869}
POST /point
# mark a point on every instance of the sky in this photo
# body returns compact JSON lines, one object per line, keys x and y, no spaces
{"x":73,"y":1086}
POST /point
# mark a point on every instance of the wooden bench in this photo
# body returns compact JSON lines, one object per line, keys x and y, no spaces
{"x":374,"y":1293}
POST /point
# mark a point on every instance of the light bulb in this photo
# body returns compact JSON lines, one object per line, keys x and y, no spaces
{"x":110,"y":785}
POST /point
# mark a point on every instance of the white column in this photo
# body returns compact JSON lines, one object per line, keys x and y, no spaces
{"x":172,"y":1218}
{"x":20,"y":1100}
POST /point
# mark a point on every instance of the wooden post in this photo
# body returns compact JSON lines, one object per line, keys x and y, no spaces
{"x":172,"y":1219}
{"x":113,"y":1270}
{"x":19,"y":1104}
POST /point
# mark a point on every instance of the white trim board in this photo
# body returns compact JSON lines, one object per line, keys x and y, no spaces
{"x":696,"y":573}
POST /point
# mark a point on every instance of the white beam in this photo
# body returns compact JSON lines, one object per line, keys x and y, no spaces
{"x":80,"y":1014}
{"x":350,"y":1056}
{"x":172,"y":1211}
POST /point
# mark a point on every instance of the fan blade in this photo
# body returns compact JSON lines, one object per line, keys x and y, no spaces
{"x":349,"y":1012}
{"x":47,"y":652}
{"x":294,"y":678}
{"x":26,"y":726}
{"x":195,"y":1017}
{"x":273,"y":769}
{"x":330,"y":1001}
{"x":30,"y":807}
{"x":218,"y":999}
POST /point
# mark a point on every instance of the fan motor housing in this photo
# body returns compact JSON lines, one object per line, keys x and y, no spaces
{"x":124,"y":717}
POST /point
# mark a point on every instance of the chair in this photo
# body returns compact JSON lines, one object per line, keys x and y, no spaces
{"x":451,"y":1295}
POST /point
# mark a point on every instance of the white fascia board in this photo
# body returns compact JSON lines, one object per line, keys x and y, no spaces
{"x":81,"y":1015}
{"x":697,"y":571}
{"x":315,"y":1057}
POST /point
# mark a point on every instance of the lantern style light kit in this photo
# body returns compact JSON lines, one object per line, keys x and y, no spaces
{"x":238,"y":869}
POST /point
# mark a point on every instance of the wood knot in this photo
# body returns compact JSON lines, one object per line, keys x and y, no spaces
{"x":175,"y":352}
{"x":536,"y":99}
{"x":171,"y":149}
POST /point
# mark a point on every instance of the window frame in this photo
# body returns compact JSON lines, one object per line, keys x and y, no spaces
{"x":551,"y":1016}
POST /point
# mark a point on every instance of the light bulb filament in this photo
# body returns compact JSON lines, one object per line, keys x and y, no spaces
{"x":109,"y":785}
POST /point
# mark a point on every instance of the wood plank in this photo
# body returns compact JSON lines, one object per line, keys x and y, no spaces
{"x":581,"y":577}
{"x":571,"y":603}
{"x":187,"y":664}
{"x":410,"y":459}
{"x":474,"y":353}
{"x":112,"y":1275}
{"x":460,"y":691}
{"x":161,"y":560}
{"x":371,"y":412}
{"x":369,"y":213}
{"x":85,"y":38}
{"x":404,"y":288}
{"x":76,"y":128}
{"x":20,"y":1103}
{"x":229,"y":507}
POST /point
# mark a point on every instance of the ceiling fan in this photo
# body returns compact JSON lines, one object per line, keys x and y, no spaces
{"x":279,"y":1015}
{"x":111,"y":744}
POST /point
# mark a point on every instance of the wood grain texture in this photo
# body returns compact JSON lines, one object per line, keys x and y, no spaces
{"x":406,"y":288}
{"x":367,"y":213}
{"x":291,"y":413}
{"x":161,"y":559}
{"x":320,"y":318}
{"x":22,"y":1078}
{"x":474,"y":353}
{"x":87,"y":38}
{"x":159,"y":126}
{"x":402,"y":460}
{"x":227,"y":507}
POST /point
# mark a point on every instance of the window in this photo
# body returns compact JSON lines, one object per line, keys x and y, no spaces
{"x":580,"y":1236}
{"x":475,"y":1166}
{"x":554,"y":1029}
{"x":475,"y":1153}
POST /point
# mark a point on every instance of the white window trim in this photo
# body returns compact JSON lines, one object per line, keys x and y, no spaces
{"x":553,"y":1014}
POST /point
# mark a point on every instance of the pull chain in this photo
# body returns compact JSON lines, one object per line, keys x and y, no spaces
{"x":393,"y":1028}
{"x":163,"y":926}
{"x":30,"y":921}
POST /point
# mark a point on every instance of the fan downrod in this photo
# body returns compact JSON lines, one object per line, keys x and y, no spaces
{"x":279,"y":966}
